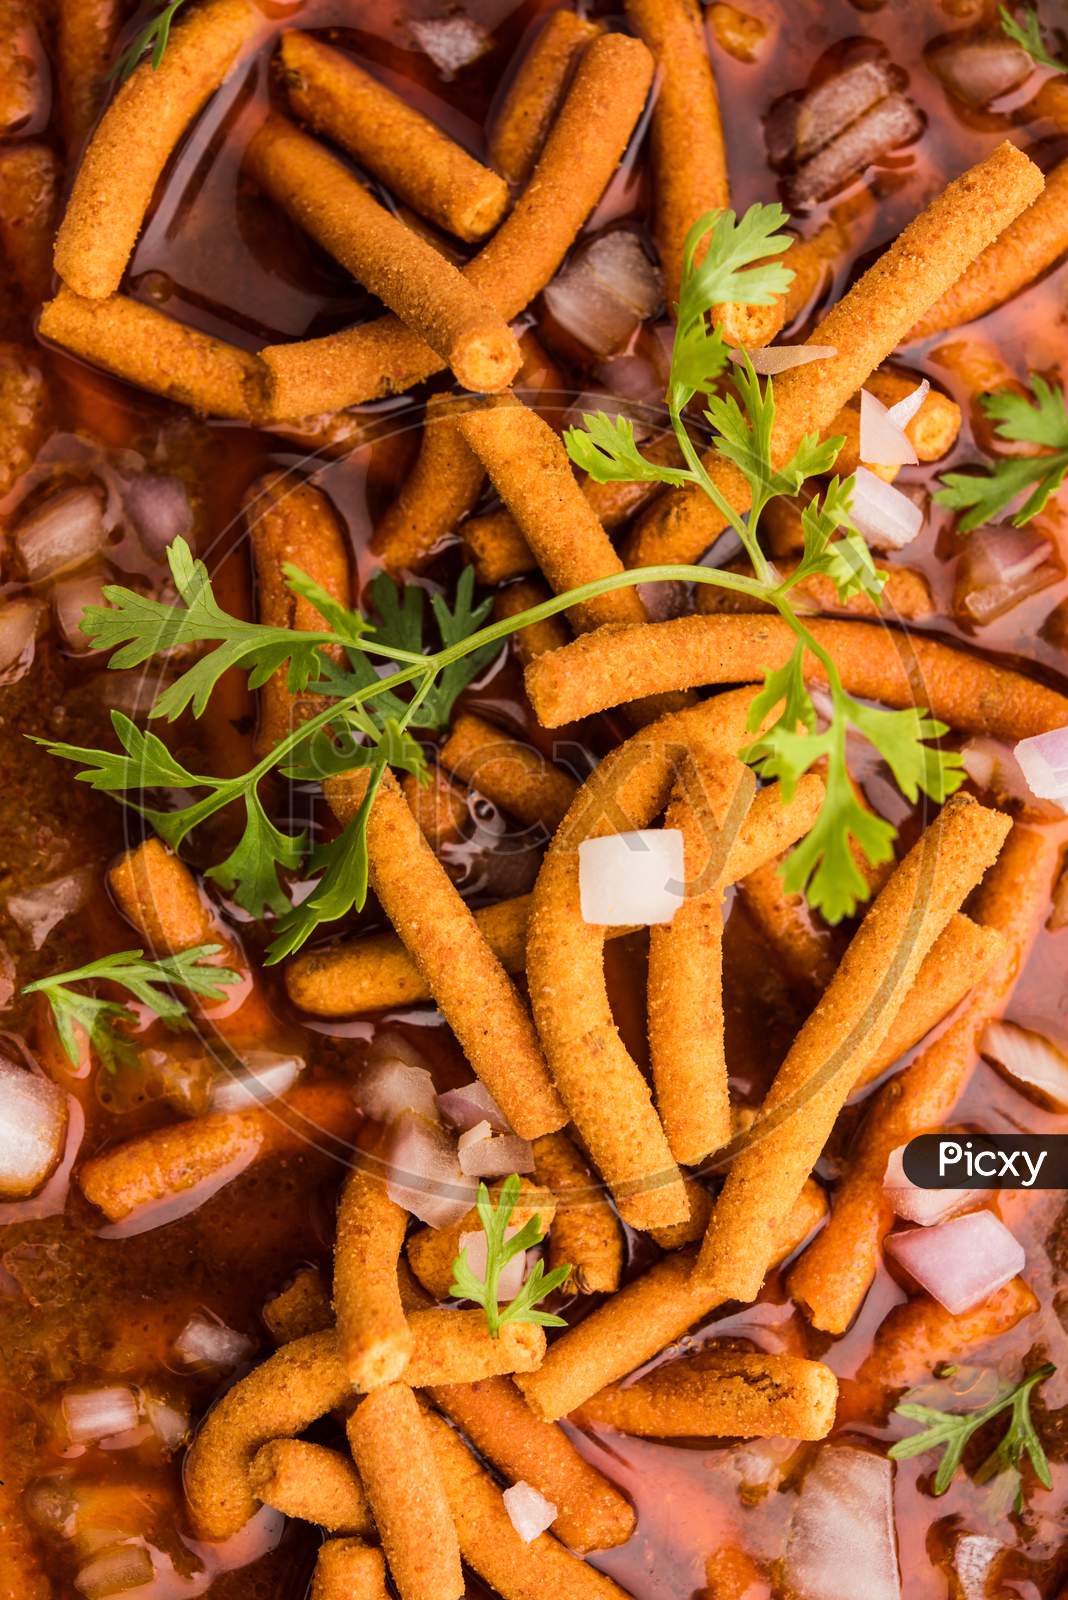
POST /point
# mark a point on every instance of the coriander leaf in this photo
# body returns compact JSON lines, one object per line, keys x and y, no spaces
{"x":145,"y":764}
{"x":250,"y":871}
{"x":951,"y":1432}
{"x":351,"y":742}
{"x":155,"y":36}
{"x":699,"y":357}
{"x":744,"y":423}
{"x":97,"y":1018}
{"x":349,"y":626}
{"x":1042,"y":421}
{"x":400,"y":606}
{"x":605,"y":449}
{"x":495,"y":1218}
{"x":454,"y":627}
{"x":1026,"y":32}
{"x":846,"y":560}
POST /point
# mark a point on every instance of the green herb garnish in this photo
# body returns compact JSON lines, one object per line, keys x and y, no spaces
{"x":499,"y":1251}
{"x":154,"y":36}
{"x":983,"y":496}
{"x":1026,"y":32}
{"x":96,"y":1018}
{"x":951,"y":1433}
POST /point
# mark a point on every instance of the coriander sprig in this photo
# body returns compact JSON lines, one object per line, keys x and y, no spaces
{"x":1025,"y":31}
{"x":984,"y":495}
{"x":154,"y":36}
{"x":499,"y":1251}
{"x":951,"y":1432}
{"x":147,"y":980}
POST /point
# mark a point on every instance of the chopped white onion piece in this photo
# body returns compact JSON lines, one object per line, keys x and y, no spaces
{"x":471,"y":1104}
{"x":774,"y":358}
{"x":38,"y":911}
{"x":883,"y":442}
{"x":470,"y":1136}
{"x":451,"y":42}
{"x":205,"y":1341}
{"x":905,"y":409}
{"x":168,"y":1423}
{"x":122,"y":1569}
{"x":18,"y":638}
{"x":512,"y":1275}
{"x":424,"y":1172}
{"x":495,"y":1157}
{"x":843,"y":1526}
{"x":61,"y":534}
{"x":915,"y":1204}
{"x":884,"y":516}
{"x":94,"y":1414}
{"x":159,"y":509}
{"x":959,"y":1262}
{"x":389,"y":1087}
{"x":974,"y":1558}
{"x":632,"y":879}
{"x":1044,"y":760}
{"x":605,"y":291}
{"x":998,"y":567}
{"x":1031,"y":1059}
{"x":528,"y":1511}
{"x":264,"y":1075}
{"x":70,"y":597}
{"x":33,"y":1127}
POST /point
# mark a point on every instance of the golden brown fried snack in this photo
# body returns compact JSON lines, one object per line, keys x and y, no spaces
{"x":373,"y":1335}
{"x":397,"y":264}
{"x":432,"y":1251}
{"x":585,"y":1234}
{"x":24,"y":409}
{"x":414,"y":159}
{"x":348,"y":1569}
{"x":312,"y":1483}
{"x":303,"y":1306}
{"x":86,"y":31}
{"x":441,"y":488}
{"x":30,"y":179}
{"x":906,"y":595}
{"x":128,"y":151}
{"x":513,"y":775}
{"x":537,"y":637}
{"x":527,"y":110}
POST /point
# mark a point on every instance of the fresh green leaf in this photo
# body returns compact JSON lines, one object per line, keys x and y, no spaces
{"x":148,"y":981}
{"x":1026,"y":32}
{"x":951,"y":1432}
{"x":846,"y":560}
{"x":495,"y":1218}
{"x":250,"y":871}
{"x":605,"y":448}
{"x":1042,"y":421}
{"x":155,"y":36}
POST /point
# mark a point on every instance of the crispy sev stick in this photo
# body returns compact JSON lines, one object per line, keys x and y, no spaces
{"x":585,"y":1233}
{"x":167,"y":1162}
{"x":303,"y":1306}
{"x":128,"y":151}
{"x":721,"y":1393}
{"x":85,"y":33}
{"x":520,"y":125}
{"x":348,"y":1569}
{"x":407,"y":274}
{"x":581,"y":153}
{"x":646,"y":1315}
{"x":693,"y":1226}
{"x":441,"y":488}
{"x":600,"y":1083}
{"x":513,"y":775}
{"x":387,"y":1435}
{"x":591,"y":1514}
{"x":373,"y":1336}
{"x":839,"y":1039}
{"x":294,"y":522}
{"x":304,"y":1380}
{"x":29,"y":195}
{"x":906,"y":595}
{"x":537,"y":637}
{"x":864,"y":327}
{"x":432,"y":1251}
{"x":804,"y":951}
{"x":515,"y":1570}
{"x":811,"y":261}
{"x":530,"y":470}
{"x":413,"y":158}
{"x":685,"y":988}
{"x":614,"y":665}
{"x":1030,"y":245}
{"x":151,"y":350}
{"x":439,"y":807}
{"x":830,"y":1282}
{"x":471,"y":987}
{"x":313,"y":1483}
{"x":497,"y":549}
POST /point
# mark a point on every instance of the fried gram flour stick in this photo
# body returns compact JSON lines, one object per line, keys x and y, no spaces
{"x":374,"y":1338}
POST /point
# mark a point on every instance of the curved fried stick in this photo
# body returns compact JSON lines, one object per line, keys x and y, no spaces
{"x":440,"y":489}
{"x":585,"y":1234}
{"x":303,"y":1306}
{"x":830,"y":1281}
{"x":86,"y":31}
{"x":140,"y":128}
{"x":906,"y":596}
{"x":526,"y":112}
{"x":312,"y":1483}
{"x":537,"y":637}
{"x":513,"y":775}
{"x":373,"y":1336}
{"x":348,"y":1569}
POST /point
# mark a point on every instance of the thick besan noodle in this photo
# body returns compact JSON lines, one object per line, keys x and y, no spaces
{"x":585,"y":1235}
{"x":441,"y":488}
{"x":374,"y":1338}
{"x":513,"y":775}
{"x":519,"y":128}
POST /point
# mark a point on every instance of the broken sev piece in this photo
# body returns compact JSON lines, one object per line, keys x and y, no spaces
{"x":400,"y":1474}
{"x":585,"y":1235}
{"x":522,"y":122}
{"x":313,"y":1483}
{"x":584,"y":145}
{"x":128,"y":151}
{"x":516,"y":1570}
{"x":838,"y":1041}
{"x":347,"y":1569}
{"x":442,"y":487}
{"x":720,"y":1393}
{"x":537,"y":637}
{"x":643,"y":1318}
{"x":471,"y":988}
{"x":397,"y":264}
{"x":393,"y":141}
{"x":831,"y":1282}
{"x":305,"y":1379}
{"x":513,"y":775}
{"x":863,"y":328}
{"x":374,"y":1339}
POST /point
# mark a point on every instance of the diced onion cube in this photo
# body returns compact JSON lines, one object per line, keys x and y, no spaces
{"x":33,"y":1126}
{"x":205,"y":1341}
{"x":959,"y":1262}
{"x":915,"y":1204}
{"x":632,"y":879}
{"x":528,"y":1511}
{"x":94,"y":1414}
